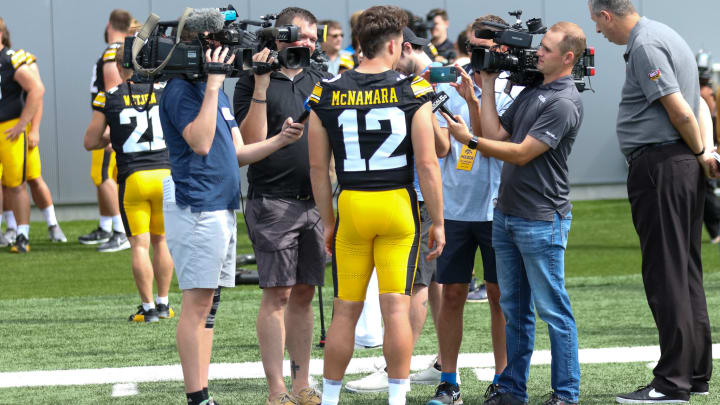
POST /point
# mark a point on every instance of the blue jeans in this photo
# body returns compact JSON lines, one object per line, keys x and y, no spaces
{"x":531,"y":270}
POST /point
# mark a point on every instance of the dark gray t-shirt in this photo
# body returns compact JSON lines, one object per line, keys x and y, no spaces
{"x":659,"y":63}
{"x":551,"y":113}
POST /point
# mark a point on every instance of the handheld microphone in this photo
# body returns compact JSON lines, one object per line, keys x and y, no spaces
{"x":438,"y":103}
{"x":305,"y":114}
{"x":205,"y":20}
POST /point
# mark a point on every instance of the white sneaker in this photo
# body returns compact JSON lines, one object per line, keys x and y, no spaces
{"x":375,"y":382}
{"x":429,"y":376}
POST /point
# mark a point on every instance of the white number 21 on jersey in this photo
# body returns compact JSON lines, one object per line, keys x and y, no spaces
{"x":133,"y":144}
{"x":381,"y":159}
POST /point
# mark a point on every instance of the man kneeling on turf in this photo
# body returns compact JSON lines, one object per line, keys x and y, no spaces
{"x":375,"y":121}
{"x":142,"y":162}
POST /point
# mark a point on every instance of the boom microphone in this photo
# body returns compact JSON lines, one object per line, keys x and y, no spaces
{"x":205,"y":20}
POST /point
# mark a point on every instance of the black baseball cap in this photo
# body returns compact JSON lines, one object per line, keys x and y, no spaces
{"x":409,"y":36}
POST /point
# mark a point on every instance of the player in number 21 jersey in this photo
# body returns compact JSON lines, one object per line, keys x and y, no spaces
{"x":132,"y":113}
{"x":377,"y":123}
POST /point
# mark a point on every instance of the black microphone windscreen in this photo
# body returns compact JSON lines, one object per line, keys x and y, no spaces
{"x":205,"y":20}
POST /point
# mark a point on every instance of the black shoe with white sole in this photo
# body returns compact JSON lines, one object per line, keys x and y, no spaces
{"x":649,"y":395}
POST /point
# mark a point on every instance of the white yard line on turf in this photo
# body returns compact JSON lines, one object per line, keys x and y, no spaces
{"x":255,"y":369}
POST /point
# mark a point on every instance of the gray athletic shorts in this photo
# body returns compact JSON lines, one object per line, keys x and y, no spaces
{"x":287,"y":237}
{"x":426,"y":269}
{"x":202,"y":245}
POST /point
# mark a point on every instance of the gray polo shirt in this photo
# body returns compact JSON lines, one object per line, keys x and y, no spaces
{"x":658,"y":62}
{"x":551,"y":113}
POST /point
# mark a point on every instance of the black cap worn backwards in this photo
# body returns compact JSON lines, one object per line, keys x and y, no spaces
{"x":409,"y":36}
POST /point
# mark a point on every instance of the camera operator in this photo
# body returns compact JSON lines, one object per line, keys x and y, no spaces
{"x":532,"y":218}
{"x":281,"y":217}
{"x":667,"y":152}
{"x":199,"y":203}
{"x":439,"y":34}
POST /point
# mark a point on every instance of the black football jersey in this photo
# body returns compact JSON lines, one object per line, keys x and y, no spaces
{"x":11,"y":102}
{"x":368,"y":118}
{"x":97,"y":83}
{"x":136,"y":136}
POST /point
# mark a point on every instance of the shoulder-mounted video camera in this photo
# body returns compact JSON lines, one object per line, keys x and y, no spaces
{"x":520,"y":60}
{"x":166,"y":49}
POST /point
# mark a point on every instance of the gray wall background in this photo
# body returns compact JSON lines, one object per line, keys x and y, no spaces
{"x":66,"y":36}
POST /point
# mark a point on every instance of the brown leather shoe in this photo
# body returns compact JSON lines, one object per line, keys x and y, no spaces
{"x":308,"y":396}
{"x":282,"y":399}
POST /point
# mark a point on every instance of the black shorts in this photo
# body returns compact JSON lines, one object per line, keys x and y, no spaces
{"x":462,"y":239}
{"x":287,"y":237}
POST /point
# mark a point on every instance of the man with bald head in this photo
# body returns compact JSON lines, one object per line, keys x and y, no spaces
{"x":659,"y":135}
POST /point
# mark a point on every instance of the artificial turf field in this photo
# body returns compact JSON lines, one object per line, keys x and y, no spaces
{"x":66,"y":307}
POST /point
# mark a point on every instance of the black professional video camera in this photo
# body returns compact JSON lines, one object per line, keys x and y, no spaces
{"x":521,"y":58}
{"x":164,"y":55}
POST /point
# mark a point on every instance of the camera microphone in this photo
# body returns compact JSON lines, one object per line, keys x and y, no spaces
{"x":438,"y":103}
{"x":205,"y":20}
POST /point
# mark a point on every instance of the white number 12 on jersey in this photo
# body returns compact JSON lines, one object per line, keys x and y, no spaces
{"x":381,"y":159}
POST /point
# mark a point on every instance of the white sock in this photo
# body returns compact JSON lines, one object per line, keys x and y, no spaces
{"x":397,"y":389}
{"x":148,"y":306}
{"x":10,"y":219}
{"x":49,"y":214}
{"x":117,"y":224}
{"x":105,"y":223}
{"x":24,"y":230}
{"x":331,"y":392}
{"x":162,"y":300}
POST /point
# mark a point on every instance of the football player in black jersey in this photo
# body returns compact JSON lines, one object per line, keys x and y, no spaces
{"x":131,"y":111}
{"x":15,"y":117}
{"x":376,"y":122}
{"x":33,"y":173}
{"x":110,"y":233}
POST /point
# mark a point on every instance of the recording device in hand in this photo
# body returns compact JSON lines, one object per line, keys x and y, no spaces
{"x":443,"y":74}
{"x":164,"y":55}
{"x":438,"y":103}
{"x":520,"y":60}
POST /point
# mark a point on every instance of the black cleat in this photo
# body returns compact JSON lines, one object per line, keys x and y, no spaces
{"x":21,"y":245}
{"x":95,"y":237}
{"x":553,"y":400}
{"x":491,"y":390}
{"x":447,"y":393}
{"x":151,"y":315}
{"x":503,"y":398}
{"x":164,"y":311}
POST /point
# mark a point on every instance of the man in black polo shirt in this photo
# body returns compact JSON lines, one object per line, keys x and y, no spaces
{"x":658,"y":132}
{"x":281,"y":217}
{"x":532,"y":217}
